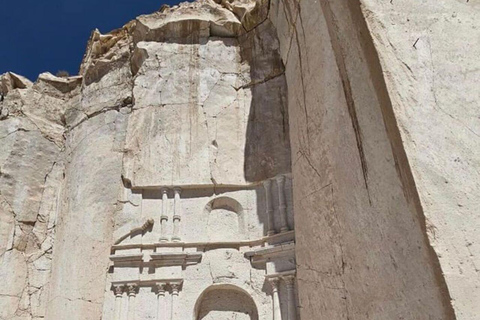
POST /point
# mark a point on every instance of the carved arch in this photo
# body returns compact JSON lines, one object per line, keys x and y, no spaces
{"x":222,"y":300}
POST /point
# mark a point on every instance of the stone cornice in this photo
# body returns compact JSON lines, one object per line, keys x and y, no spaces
{"x":283,"y":237}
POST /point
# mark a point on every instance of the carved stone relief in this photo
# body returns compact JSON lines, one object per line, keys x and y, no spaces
{"x":212,"y":251}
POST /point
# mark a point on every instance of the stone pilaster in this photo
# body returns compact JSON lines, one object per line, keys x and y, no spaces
{"x":118,"y":290}
{"x":267,"y":184}
{"x":175,"y":289}
{"x":277,"y":313}
{"x":132,"y":293}
{"x":164,"y":216}
{"x":282,"y":207}
{"x":290,"y":284}
{"x":161,"y":301}
{"x":177,"y":215}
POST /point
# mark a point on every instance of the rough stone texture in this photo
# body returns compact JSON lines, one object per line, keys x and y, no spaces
{"x":392,"y":184}
{"x":31,"y":172}
{"x":430,"y":62}
{"x":379,"y":102}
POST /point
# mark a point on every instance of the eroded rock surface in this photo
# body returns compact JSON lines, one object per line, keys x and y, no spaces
{"x":31,"y":175}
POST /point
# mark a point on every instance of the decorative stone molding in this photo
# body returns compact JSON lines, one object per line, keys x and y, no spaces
{"x":175,"y":258}
{"x":131,"y":259}
{"x":157,"y":259}
{"x":152,"y":283}
{"x":211,"y":245}
{"x":283,"y":251}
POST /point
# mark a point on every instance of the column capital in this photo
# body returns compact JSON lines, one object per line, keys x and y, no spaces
{"x":274,"y":283}
{"x":118,"y":289}
{"x":164,"y":190}
{"x":161,"y":288}
{"x":175,"y":288}
{"x":177,"y":190}
{"x":267,"y":183}
{"x":132,"y":289}
{"x":289,"y":280}
{"x":280,"y":178}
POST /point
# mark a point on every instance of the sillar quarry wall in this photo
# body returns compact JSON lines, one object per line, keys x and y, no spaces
{"x":369,"y":107}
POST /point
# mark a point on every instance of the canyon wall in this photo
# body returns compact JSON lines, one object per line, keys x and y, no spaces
{"x":309,"y":159}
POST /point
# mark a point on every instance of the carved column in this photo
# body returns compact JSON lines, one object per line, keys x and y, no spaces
{"x":164,"y":216}
{"x":132,"y":292}
{"x":277,"y":312}
{"x":175,"y":288}
{"x":267,"y":184}
{"x":290,"y":283}
{"x":118,"y":290}
{"x":282,"y":207}
{"x":177,"y":215}
{"x":161,"y":302}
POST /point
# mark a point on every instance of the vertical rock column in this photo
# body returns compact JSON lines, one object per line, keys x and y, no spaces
{"x":177,"y":215}
{"x":164,"y":216}
{"x":161,"y":302}
{"x":282,"y":207}
{"x":277,"y":313}
{"x":267,"y":184}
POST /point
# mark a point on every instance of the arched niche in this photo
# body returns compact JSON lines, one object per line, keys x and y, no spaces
{"x":225,"y":302}
{"x":225,"y":220}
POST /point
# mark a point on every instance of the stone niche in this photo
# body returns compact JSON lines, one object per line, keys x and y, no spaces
{"x":204,"y":252}
{"x":226,"y":220}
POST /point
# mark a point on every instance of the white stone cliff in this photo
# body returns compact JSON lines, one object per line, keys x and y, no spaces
{"x":246,"y":159}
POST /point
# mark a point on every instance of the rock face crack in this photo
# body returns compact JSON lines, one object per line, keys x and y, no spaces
{"x":339,"y":57}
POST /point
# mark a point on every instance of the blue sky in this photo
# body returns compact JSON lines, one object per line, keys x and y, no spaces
{"x":51,"y":35}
